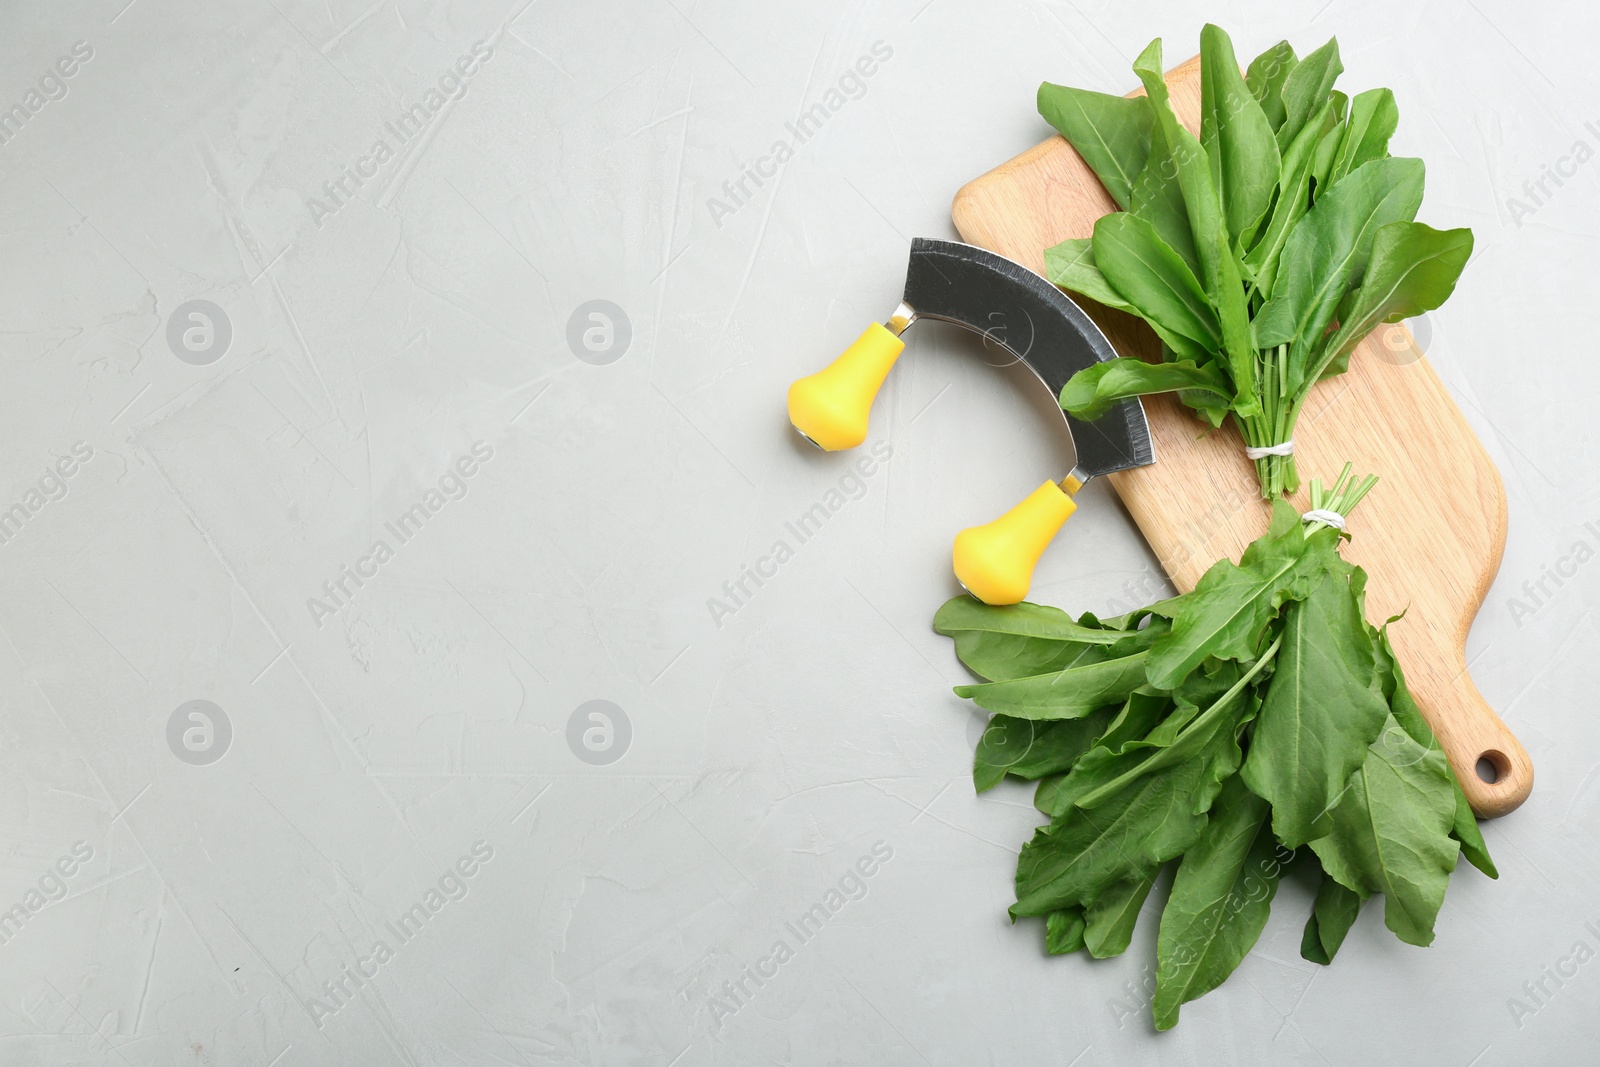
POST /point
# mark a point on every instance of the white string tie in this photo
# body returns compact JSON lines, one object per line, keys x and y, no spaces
{"x":1282,"y":448}
{"x":1323,"y":515}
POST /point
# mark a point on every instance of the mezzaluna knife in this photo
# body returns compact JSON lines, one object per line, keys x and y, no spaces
{"x":1038,"y":324}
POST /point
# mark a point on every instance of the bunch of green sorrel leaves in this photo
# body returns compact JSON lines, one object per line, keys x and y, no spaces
{"x":1260,"y":252}
{"x":1256,"y":723}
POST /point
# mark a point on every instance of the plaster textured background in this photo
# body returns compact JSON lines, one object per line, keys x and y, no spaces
{"x":385,"y":337}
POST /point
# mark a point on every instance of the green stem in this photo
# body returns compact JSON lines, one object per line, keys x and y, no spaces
{"x":1274,"y":425}
{"x":1342,"y":498}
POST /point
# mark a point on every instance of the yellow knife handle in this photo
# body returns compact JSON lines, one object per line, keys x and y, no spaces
{"x":830,"y":408}
{"x":995,"y":561}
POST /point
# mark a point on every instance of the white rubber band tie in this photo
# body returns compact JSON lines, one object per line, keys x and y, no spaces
{"x":1324,"y":516}
{"x":1282,"y":448}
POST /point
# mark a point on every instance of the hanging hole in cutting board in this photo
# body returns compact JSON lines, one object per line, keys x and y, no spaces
{"x":1493,"y":766}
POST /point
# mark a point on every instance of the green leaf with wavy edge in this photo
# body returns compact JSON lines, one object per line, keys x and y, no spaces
{"x":1071,"y":265}
{"x":1306,"y":89}
{"x":1110,"y":920}
{"x":1413,"y":268}
{"x":1219,"y":903}
{"x":1332,"y":915}
{"x":1329,"y":252}
{"x":1465,"y":826}
{"x":1144,"y":710}
{"x":1322,"y":708}
{"x":1237,"y":136}
{"x":1158,"y":200}
{"x":1111,"y":133}
{"x":1067,"y":694}
{"x":1265,"y":78}
{"x":1374,"y":116}
{"x":1219,"y":266}
{"x":1160,"y":751}
{"x":1063,"y":931}
{"x":1081,"y":854}
{"x":1152,"y":278}
{"x":1392,"y":833}
{"x":1028,"y":749}
{"x":1328,"y":147}
{"x":1232,"y":605}
{"x":1294,"y":200}
{"x":1091,"y":392}
{"x":999,"y":643}
{"x":1147,"y":820}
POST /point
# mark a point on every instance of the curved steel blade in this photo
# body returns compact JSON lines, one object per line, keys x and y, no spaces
{"x":1039,"y":325}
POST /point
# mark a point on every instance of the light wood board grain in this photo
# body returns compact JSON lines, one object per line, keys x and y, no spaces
{"x":1431,"y":534}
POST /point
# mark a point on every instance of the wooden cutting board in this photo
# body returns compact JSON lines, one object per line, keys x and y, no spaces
{"x":1430,"y":535}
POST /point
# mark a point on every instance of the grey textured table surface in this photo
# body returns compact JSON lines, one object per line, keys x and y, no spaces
{"x":397,"y":215}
